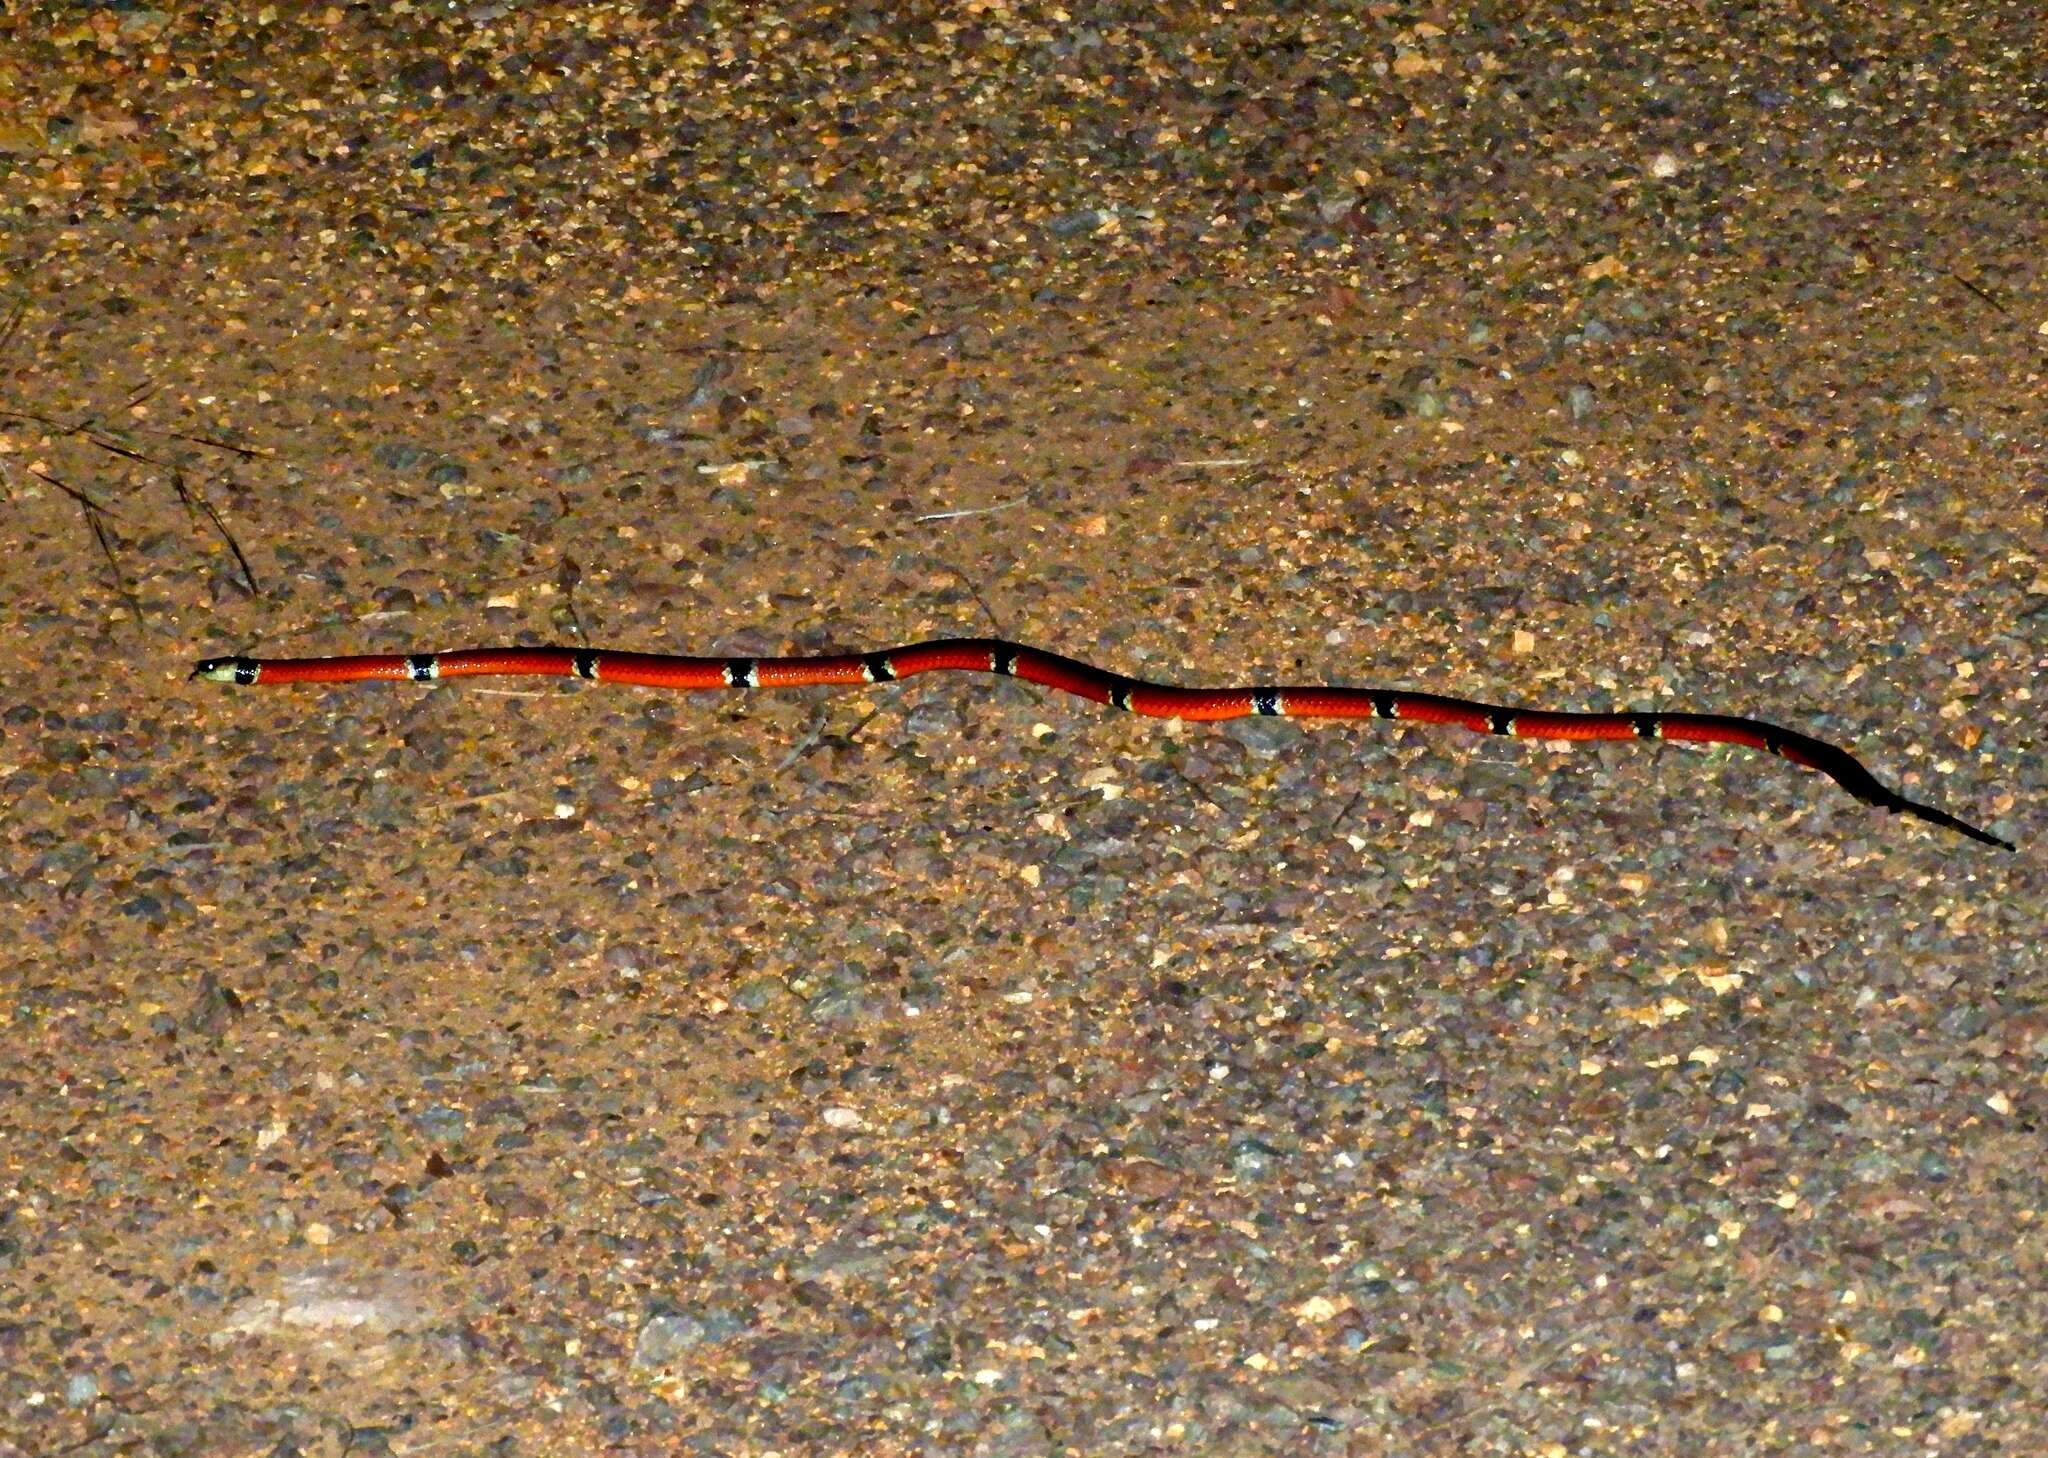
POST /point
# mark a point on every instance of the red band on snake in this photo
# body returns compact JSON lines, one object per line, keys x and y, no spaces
{"x":1085,"y":680}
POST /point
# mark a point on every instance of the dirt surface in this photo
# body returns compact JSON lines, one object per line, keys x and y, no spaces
{"x":530,"y":1068}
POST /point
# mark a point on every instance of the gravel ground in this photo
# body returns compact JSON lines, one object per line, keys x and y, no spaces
{"x":525,"y":1068}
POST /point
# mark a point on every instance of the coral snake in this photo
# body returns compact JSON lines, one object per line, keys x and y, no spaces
{"x":1069,"y":675}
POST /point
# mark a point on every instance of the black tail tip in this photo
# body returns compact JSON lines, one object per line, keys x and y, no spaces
{"x":1951,"y":822}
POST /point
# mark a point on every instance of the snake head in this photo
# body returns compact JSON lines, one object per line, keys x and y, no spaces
{"x":225,"y":670}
